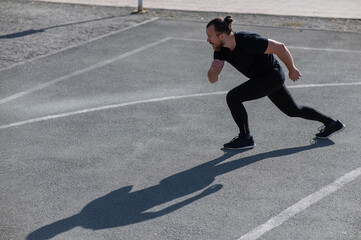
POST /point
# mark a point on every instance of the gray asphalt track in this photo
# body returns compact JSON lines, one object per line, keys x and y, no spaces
{"x":122,"y":140}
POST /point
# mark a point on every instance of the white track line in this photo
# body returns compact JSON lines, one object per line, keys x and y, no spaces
{"x":77,"y":45}
{"x":67,"y":114}
{"x":325,"y":49}
{"x":84,"y":70}
{"x":101,"y":64}
{"x":291,"y":47}
{"x":301,"y":205}
{"x":16,"y":124}
{"x":325,"y":85}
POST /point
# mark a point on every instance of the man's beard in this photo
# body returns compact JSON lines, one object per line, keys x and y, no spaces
{"x":217,"y":47}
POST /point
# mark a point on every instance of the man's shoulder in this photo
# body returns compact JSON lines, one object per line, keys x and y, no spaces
{"x":244,"y":34}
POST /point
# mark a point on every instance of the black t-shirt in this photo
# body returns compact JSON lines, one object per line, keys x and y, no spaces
{"x":248,"y":57}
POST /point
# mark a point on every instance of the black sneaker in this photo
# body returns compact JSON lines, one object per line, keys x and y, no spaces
{"x":240,"y":143}
{"x":329,"y":130}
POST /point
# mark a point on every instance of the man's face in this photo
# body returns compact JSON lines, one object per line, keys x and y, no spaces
{"x":214,"y":38}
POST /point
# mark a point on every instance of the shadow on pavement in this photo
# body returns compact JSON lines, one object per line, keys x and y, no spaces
{"x":32,"y":31}
{"x":123,"y":207}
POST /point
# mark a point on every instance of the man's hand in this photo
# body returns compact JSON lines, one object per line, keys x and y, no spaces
{"x":217,"y":66}
{"x":294,"y":74}
{"x":215,"y":70}
{"x":284,"y":54}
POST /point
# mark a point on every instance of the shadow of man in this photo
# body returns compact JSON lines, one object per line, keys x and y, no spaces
{"x":123,"y":207}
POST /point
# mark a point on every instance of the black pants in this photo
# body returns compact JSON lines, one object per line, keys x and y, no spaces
{"x":271,"y":85}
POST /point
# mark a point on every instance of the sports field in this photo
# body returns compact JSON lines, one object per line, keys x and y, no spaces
{"x":121,"y":138}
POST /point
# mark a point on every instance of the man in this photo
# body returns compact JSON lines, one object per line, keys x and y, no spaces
{"x":252,"y":55}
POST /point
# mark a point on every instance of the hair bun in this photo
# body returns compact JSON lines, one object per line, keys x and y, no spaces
{"x":222,"y":25}
{"x":228,"y":19}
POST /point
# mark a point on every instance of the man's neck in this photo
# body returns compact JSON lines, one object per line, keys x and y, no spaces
{"x":230,"y":41}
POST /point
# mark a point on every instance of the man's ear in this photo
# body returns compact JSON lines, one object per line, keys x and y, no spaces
{"x":222,"y":36}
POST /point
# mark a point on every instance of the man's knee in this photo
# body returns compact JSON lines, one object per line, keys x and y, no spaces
{"x":231,"y":97}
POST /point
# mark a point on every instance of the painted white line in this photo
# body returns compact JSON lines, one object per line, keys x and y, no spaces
{"x":191,"y":39}
{"x":301,"y":205}
{"x":40,"y":119}
{"x":83,"y":43}
{"x":55,"y":116}
{"x":325,"y":49}
{"x":101,"y":64}
{"x":84,"y":70}
{"x":325,"y":85}
{"x":291,"y":47}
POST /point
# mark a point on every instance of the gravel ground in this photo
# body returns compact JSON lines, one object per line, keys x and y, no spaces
{"x":33,"y":29}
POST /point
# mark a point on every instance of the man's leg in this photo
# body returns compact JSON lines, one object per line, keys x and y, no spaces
{"x":284,"y":101}
{"x":247,"y":91}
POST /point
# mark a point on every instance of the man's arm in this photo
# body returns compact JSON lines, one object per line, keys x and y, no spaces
{"x":284,"y":54}
{"x":215,"y":70}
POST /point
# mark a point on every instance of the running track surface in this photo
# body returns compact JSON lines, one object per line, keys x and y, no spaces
{"x":120,"y":138}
